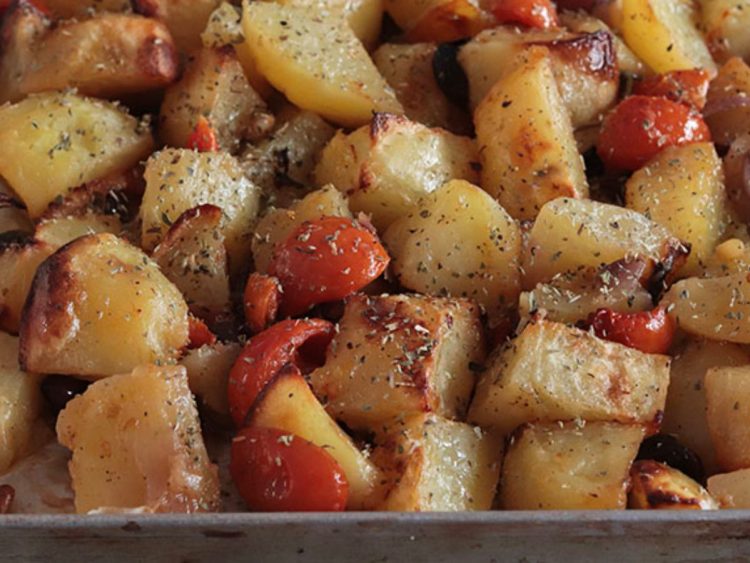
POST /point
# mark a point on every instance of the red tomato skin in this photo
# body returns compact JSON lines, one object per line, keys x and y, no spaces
{"x":530,"y":13}
{"x":651,"y":332}
{"x":642,"y":126}
{"x":198,"y":333}
{"x":276,"y":471}
{"x":261,"y":301}
{"x":203,"y":137}
{"x":265,"y":354}
{"x":326,"y":260}
{"x":689,"y":87}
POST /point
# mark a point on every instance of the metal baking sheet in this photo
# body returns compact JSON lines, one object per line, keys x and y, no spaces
{"x":527,"y":537}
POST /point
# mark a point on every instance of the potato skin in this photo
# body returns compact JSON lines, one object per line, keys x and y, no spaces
{"x":656,"y":486}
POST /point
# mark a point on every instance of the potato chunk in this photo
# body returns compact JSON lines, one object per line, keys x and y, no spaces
{"x":98,"y":307}
{"x":317,"y":62}
{"x":732,"y":490}
{"x":526,"y":144}
{"x":208,"y":373}
{"x":438,"y":20}
{"x":20,"y":404}
{"x":136,"y":442}
{"x":436,"y":464}
{"x":663,"y":34}
{"x":54,"y":142}
{"x":728,"y":412}
{"x":569,"y":235}
{"x":657,"y":486}
{"x":569,"y":466}
{"x":398,"y":355}
{"x":555,"y":372}
{"x":179,"y":179}
{"x":725,"y":24}
{"x":387,"y":166}
{"x":213,"y":87}
{"x":460,"y":243}
{"x":23,"y":24}
{"x":18,"y":264}
{"x":715,"y":308}
{"x":682,"y":188}
{"x":287,"y":403}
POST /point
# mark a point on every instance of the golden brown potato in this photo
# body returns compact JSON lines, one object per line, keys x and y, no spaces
{"x":728,"y":413}
{"x":438,"y":20}
{"x":573,"y":466}
{"x":90,"y":298}
{"x":387,"y":166}
{"x":398,"y":355}
{"x":725,"y":24}
{"x":287,"y":403}
{"x":572,"y":234}
{"x":179,"y":179}
{"x":656,"y":486}
{"x":54,"y":142}
{"x":18,"y":264}
{"x":288,"y":157}
{"x":726,"y":114}
{"x":685,"y":411}
{"x":434,"y":464}
{"x":24,"y":22}
{"x":59,"y":231}
{"x":730,"y":257}
{"x":682,"y":189}
{"x":136,"y":442}
{"x":554,"y":372}
{"x":460,"y":243}
{"x":107,"y":56}
{"x":278,"y":224}
{"x":20,"y":405}
{"x":526,"y":144}
{"x":714,"y":308}
{"x":408,"y":70}
{"x":732,"y":490}
{"x":317,"y":62}
{"x":192,"y":256}
{"x":208,"y":372}
{"x":213,"y":87}
{"x":185,"y":19}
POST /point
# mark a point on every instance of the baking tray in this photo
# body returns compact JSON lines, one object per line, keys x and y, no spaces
{"x":615,"y":536}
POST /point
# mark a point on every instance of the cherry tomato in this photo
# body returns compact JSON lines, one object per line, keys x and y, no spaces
{"x":326,"y":260}
{"x":641,"y":126}
{"x":276,"y":471}
{"x":261,"y":301}
{"x":688,"y":87}
{"x":198,"y":333}
{"x":531,"y":13}
{"x":203,"y":137}
{"x":298,"y":342}
{"x":649,"y":331}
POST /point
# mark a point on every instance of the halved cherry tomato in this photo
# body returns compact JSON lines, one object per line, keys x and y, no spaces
{"x":198,"y":333}
{"x":684,"y":86}
{"x":261,"y":301}
{"x":531,"y":13}
{"x":203,"y":137}
{"x":326,"y":260}
{"x":299,"y":342}
{"x":276,"y":471}
{"x":648,"y":331}
{"x":641,"y":126}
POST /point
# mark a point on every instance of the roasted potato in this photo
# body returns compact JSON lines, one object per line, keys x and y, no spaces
{"x":459,"y":243}
{"x":434,"y":464}
{"x":208,"y":372}
{"x":571,"y":234}
{"x":387,"y":166}
{"x":136,"y":442}
{"x":725,"y":24}
{"x":185,"y":19}
{"x":22,"y":26}
{"x":59,"y":231}
{"x":438,"y":20}
{"x":682,"y":189}
{"x":732,"y":490}
{"x":526,"y":144}
{"x":554,"y":372}
{"x":728,"y":413}
{"x":193,"y":256}
{"x":664,"y":36}
{"x":214,"y":87}
{"x":317,"y":62}
{"x":20,"y":402}
{"x":288,"y":404}
{"x":54,"y":142}
{"x":656,"y":486}
{"x":393,"y":356}
{"x":179,"y":179}
{"x":88,"y":299}
{"x":18,"y":264}
{"x":726,"y":114}
{"x":572,"y":466}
